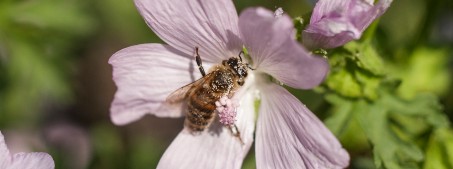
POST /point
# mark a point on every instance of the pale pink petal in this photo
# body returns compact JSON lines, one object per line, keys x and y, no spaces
{"x":145,"y":75}
{"x":32,"y":161}
{"x":336,"y":22}
{"x":214,"y":148}
{"x":325,"y":7}
{"x":23,"y":160}
{"x":330,"y":33}
{"x":270,"y":43}
{"x":207,"y":24}
{"x":290,"y":136}
{"x":5,"y":157}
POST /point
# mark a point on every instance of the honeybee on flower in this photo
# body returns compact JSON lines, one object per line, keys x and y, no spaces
{"x":287,"y":134}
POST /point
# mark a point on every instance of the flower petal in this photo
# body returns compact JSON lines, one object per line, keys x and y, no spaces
{"x":209,"y":25}
{"x":23,"y":160}
{"x":273,"y":50}
{"x":32,"y":161}
{"x":145,"y":75}
{"x":290,"y":136}
{"x":5,"y":157}
{"x":330,"y":33}
{"x":336,"y":22}
{"x":214,"y":148}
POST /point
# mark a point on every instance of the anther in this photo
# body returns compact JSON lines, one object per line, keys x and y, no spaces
{"x":227,"y":111}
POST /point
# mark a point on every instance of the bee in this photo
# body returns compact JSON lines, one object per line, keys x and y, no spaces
{"x":223,"y":80}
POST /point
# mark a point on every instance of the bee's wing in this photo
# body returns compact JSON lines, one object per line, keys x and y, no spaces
{"x":182,"y":92}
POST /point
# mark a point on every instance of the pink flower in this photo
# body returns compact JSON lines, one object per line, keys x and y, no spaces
{"x":336,"y":22}
{"x":23,"y":160}
{"x":288,"y":135}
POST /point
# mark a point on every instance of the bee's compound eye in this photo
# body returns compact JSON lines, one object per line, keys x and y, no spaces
{"x":241,"y":82}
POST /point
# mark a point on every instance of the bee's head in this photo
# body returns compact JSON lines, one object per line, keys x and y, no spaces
{"x":238,"y":66}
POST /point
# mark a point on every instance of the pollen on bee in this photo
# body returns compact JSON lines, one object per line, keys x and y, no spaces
{"x":227,"y":110}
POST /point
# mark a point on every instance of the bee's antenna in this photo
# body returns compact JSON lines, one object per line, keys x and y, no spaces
{"x":250,"y":67}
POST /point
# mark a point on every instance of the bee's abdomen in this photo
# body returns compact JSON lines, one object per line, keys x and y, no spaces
{"x":201,"y":107}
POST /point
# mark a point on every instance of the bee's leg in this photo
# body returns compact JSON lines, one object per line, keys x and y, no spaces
{"x":198,"y":59}
{"x":241,"y":53}
{"x":236,"y":133}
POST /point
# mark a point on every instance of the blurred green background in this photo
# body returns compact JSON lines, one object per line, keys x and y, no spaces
{"x":56,"y":86}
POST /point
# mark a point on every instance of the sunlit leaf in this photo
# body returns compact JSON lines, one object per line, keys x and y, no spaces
{"x":345,"y":83}
{"x":425,"y":71}
{"x":439,"y":153}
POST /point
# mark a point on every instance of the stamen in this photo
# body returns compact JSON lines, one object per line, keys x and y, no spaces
{"x":227,"y":110}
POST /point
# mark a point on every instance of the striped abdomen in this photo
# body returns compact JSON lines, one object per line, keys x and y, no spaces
{"x":201,"y":107}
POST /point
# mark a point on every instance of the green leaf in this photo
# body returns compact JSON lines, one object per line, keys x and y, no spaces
{"x":369,"y":84}
{"x":390,"y":151}
{"x":424,"y":106}
{"x":345,"y":83}
{"x":425,"y":71}
{"x":366,"y":57}
{"x":341,"y":115}
{"x":439,"y":153}
{"x":354,"y":83}
{"x":357,"y":71}
{"x":344,"y":124}
{"x":392,"y":125}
